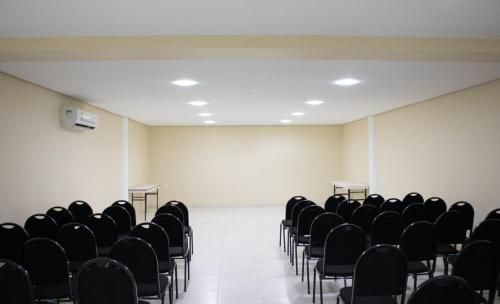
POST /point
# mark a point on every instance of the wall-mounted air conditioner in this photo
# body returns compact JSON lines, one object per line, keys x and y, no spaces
{"x":72,"y":117}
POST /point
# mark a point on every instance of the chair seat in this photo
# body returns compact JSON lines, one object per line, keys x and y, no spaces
{"x":46,"y":292}
{"x":346,"y":296}
{"x":335,"y":270}
{"x":446,"y":249}
{"x":151,"y":289}
{"x":179,"y":251}
{"x":103,"y":251}
{"x":302,"y":239}
{"x":122,"y":236}
{"x":166,"y":266}
{"x":416,"y":267}
{"x":286,"y":223}
{"x":314,"y":251}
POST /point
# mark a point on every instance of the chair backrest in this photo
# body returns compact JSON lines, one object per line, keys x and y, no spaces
{"x":80,"y":210}
{"x":105,"y":281}
{"x":290,"y":204}
{"x":487,"y":230}
{"x":61,"y":215}
{"x":306,"y":217}
{"x":364,"y":215}
{"x":173,"y":227}
{"x":41,"y":225}
{"x":435,"y":206}
{"x":374,"y":199}
{"x":412,"y":198}
{"x":15,"y":284}
{"x":297,"y":209}
{"x":321,"y":226}
{"x":380,"y":271}
{"x":467,"y":210}
{"x":140,"y":258}
{"x":494,"y":215}
{"x":184,"y":209}
{"x":386,"y":228}
{"x":103,"y":227}
{"x":45,"y":261}
{"x":344,"y":244}
{"x":170,"y":209}
{"x":129,"y":207}
{"x":477,"y":263}
{"x":78,"y":242}
{"x":346,"y":209}
{"x":12,"y":237}
{"x":414,"y":213}
{"x":333,"y":202}
{"x":392,"y":204}
{"x":121,"y":217}
{"x":443,"y":289}
{"x":451,"y":228}
{"x":419,"y":241}
{"x":156,"y":236}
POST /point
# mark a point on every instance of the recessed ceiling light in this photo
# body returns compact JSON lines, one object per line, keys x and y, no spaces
{"x":185,"y":82}
{"x":346,"y":82}
{"x":198,"y":103}
{"x":315,"y":102}
{"x":204,"y":114}
{"x":285,"y":121}
{"x":298,"y":113}
{"x":209,"y":122}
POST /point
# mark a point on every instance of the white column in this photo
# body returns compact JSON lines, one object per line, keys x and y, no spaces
{"x":125,"y":158}
{"x":372,"y":160}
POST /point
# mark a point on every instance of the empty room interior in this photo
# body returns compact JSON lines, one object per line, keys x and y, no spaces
{"x":260,"y":152}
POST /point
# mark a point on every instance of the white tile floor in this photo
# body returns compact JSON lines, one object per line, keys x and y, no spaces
{"x":237,"y":260}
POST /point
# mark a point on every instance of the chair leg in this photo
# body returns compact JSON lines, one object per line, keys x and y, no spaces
{"x":491,"y":295}
{"x":185,"y":274}
{"x":284,"y":240}
{"x":176,"y":283}
{"x":296,"y":259}
{"x":292,"y":251}
{"x":314,"y":285}
{"x":445,"y":262}
{"x":414,"y":282}
{"x":303,"y":258}
{"x":320,"y":290}
{"x":281,"y":225}
{"x":189,"y":268}
{"x":308,"y":284}
{"x":191,"y":237}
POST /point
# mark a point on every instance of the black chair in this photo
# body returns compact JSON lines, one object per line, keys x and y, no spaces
{"x":156,"y":236}
{"x":333,"y":202}
{"x":414,"y":213}
{"x":379,"y":276}
{"x":45,"y":261}
{"x":170,"y":209}
{"x":286,"y":223}
{"x":79,"y":245}
{"x":443,"y":289}
{"x":41,"y":225}
{"x":363,"y":216}
{"x":12,"y":237}
{"x":412,"y":198}
{"x":15,"y":284}
{"x":494,"y":215}
{"x":467,"y":211}
{"x":343,"y":246}
{"x":122,"y":219}
{"x":487,"y":230}
{"x":105,"y":281}
{"x":392,"y":204}
{"x":140,"y":257}
{"x":104,"y":229}
{"x":451,"y":231}
{"x":386,"y":228}
{"x":185,"y":213}
{"x":80,"y":210}
{"x":374,"y":199}
{"x":419,"y":244}
{"x":301,"y":238}
{"x":297,"y":209}
{"x":130,"y":209}
{"x":346,"y":209}
{"x":435,"y":206}
{"x":320,"y":227}
{"x":61,"y":215}
{"x":477,"y":263}
{"x":179,"y":246}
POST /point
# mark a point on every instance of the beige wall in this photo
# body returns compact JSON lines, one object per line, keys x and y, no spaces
{"x":355,"y":151}
{"x":42,"y":164}
{"x":138,"y":153}
{"x":246,"y":164}
{"x":448,"y":146}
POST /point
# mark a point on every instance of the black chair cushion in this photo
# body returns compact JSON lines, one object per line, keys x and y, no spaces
{"x":417,"y":267}
{"x":301,"y":239}
{"x":346,"y":295}
{"x":150,"y":290}
{"x":335,"y":270}
{"x":55,"y":291}
{"x":314,"y":252}
{"x":104,"y":251}
{"x":179,"y":251}
{"x":446,"y":249}
{"x":166,"y":266}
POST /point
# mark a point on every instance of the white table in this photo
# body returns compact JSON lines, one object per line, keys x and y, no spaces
{"x":350,"y":188}
{"x":144,"y":191}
